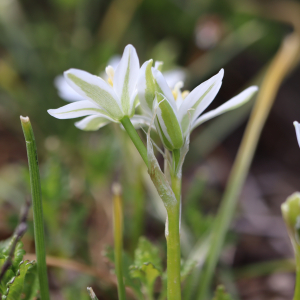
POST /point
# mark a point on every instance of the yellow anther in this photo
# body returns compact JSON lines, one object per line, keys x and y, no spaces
{"x":175,"y":94}
{"x":110,"y":73}
{"x":184,"y":94}
{"x":110,"y":81}
{"x":176,"y":89}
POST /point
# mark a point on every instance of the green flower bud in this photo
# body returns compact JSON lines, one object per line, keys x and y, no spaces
{"x":291,"y":215}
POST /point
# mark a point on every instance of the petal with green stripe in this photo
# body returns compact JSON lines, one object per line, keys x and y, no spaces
{"x":92,"y":123}
{"x":96,"y":89}
{"x":77,"y":109}
{"x":126,"y":76}
{"x":146,"y":87}
{"x":198,"y":100}
{"x":231,"y":104}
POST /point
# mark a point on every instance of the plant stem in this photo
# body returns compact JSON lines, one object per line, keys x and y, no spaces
{"x":135,"y":138}
{"x":173,"y":245}
{"x":118,"y":237}
{"x":176,"y":158}
{"x":297,"y":285}
{"x":278,"y":69}
{"x":37,"y":206}
{"x":173,"y":211}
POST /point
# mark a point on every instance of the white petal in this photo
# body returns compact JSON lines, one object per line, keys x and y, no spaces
{"x":158,"y":65}
{"x":140,"y":120}
{"x":174,"y":76}
{"x":92,"y":123}
{"x":126,"y":76}
{"x":231,"y":104}
{"x":297,"y":127}
{"x":146,"y":87}
{"x":65,"y":91}
{"x":96,"y":89}
{"x":134,"y":102}
{"x":164,"y":88}
{"x":76,"y":109}
{"x":199,"y":99}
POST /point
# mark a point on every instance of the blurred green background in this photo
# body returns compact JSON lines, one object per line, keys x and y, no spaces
{"x":41,"y":39}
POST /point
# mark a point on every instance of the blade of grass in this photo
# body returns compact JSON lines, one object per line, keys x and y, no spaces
{"x":281,"y":64}
{"x":36,"y":194}
{"x":118,"y":237}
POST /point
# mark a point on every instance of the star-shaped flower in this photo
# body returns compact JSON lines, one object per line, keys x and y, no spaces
{"x":177,"y":114}
{"x":103,"y":102}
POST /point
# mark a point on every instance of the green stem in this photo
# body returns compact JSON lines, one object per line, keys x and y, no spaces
{"x":176,"y":158}
{"x":37,"y":207}
{"x":173,"y":245}
{"x":118,"y":237}
{"x":135,"y":138}
{"x":297,"y":285}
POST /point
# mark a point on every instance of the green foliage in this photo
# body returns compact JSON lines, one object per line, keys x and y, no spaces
{"x":146,"y":252}
{"x":21,"y":276}
{"x":31,"y":284}
{"x":147,"y":264}
{"x":127,"y":262}
{"x":16,"y":284}
{"x":220,"y":294}
{"x":12,"y":271}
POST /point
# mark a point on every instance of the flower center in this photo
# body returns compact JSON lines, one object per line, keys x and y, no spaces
{"x":177,"y":91}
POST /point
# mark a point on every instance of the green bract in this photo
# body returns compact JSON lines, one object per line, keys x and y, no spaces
{"x":103,"y":102}
{"x":177,"y":114}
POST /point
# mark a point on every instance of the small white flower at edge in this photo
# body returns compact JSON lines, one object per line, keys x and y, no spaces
{"x":177,"y":114}
{"x":297,"y":128}
{"x":103,"y":102}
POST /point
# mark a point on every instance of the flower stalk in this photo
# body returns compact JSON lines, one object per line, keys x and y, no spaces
{"x":37,"y":205}
{"x":135,"y":138}
{"x":118,"y":238}
{"x":173,"y":253}
{"x":173,"y":244}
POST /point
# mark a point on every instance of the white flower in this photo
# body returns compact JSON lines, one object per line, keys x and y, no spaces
{"x":297,"y":128}
{"x":102,"y":102}
{"x":67,"y":93}
{"x":177,"y":114}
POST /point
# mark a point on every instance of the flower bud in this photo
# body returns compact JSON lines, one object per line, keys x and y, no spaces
{"x":291,"y":215}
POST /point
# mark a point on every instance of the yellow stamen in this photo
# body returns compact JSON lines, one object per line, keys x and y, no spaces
{"x":176,"y":89}
{"x":110,"y":81}
{"x":184,"y":94}
{"x":110,"y":73}
{"x":175,"y":94}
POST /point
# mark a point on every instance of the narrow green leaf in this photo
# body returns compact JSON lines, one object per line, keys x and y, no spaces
{"x":37,"y":205}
